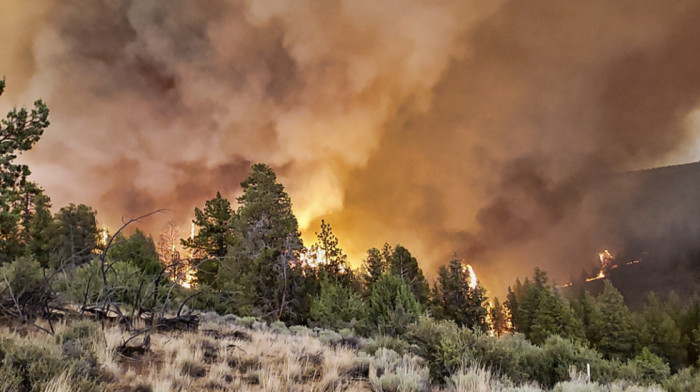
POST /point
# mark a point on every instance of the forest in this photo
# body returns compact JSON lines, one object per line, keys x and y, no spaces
{"x":245,"y":269}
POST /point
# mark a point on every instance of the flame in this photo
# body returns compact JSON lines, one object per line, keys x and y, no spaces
{"x":104,"y":235}
{"x":489,"y":319}
{"x":565,"y":285}
{"x":605,"y":260}
{"x":472,"y":275}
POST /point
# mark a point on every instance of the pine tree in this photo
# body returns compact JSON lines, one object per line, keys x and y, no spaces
{"x":138,"y":250}
{"x":614,"y":334}
{"x":405,"y":266}
{"x":213,"y":238}
{"x":457,"y":300}
{"x":498,"y":316}
{"x":374,"y":265}
{"x":19,"y":131}
{"x":74,"y":235}
{"x":554,"y":317}
{"x":391,"y":306}
{"x":336,"y":306}
{"x":661,"y":335}
{"x":513,"y":305}
{"x":39,"y":230}
{"x":585,"y":309}
{"x":331,"y":261}
{"x":262,"y":268}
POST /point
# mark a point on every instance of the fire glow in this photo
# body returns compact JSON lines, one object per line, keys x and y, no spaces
{"x":605,"y":261}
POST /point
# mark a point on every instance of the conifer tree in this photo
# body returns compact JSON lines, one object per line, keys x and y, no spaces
{"x":554,"y":317}
{"x":262,"y":269}
{"x":374,"y":265}
{"x":19,"y":131}
{"x":74,"y":235}
{"x":613,"y":332}
{"x":661,"y":335}
{"x":391,"y":306}
{"x":331,"y":261}
{"x":499,"y":318}
{"x":457,"y":300}
{"x":214,"y":236}
{"x":405,"y":266}
{"x":39,"y":230}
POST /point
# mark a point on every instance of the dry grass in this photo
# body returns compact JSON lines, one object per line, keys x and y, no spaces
{"x":225,"y":356}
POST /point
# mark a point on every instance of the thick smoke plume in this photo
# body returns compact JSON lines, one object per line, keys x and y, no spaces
{"x":476,"y":127}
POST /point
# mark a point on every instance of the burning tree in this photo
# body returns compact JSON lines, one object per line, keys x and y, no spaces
{"x":458,"y":295}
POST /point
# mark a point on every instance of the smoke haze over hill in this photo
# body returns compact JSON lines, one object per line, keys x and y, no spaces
{"x":477,"y":127}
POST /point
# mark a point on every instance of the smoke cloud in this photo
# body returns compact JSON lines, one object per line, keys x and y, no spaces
{"x":478,"y":127}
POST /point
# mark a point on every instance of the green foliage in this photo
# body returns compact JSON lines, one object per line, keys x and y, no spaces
{"x":213,"y":238}
{"x":554,"y":317}
{"x":336,"y":306}
{"x":375,"y":264}
{"x":258,"y":269}
{"x":405,"y":266}
{"x":127,"y":285}
{"x":28,"y":367}
{"x":39,"y":230}
{"x":73,"y":235}
{"x":539,"y":312}
{"x":391,"y":372}
{"x":19,"y":131}
{"x":660,"y":333}
{"x":613,"y":332}
{"x":646,"y":368}
{"x":24,"y":288}
{"x":391,"y":306}
{"x":458,"y":301}
{"x":332,"y":262}
{"x":138,"y":250}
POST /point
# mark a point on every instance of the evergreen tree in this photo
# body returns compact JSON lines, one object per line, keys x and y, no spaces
{"x":585,"y":310}
{"x":554,"y":317}
{"x":74,"y":235}
{"x":457,"y":300}
{"x":661,"y":335}
{"x":499,"y":318}
{"x":19,"y":131}
{"x":391,"y":306}
{"x":375,"y":264}
{"x":513,"y":305}
{"x":137,"y":250}
{"x":336,"y":306}
{"x":405,"y":266}
{"x":330,"y":260}
{"x":213,"y":238}
{"x":613,"y":332}
{"x":39,"y":230}
{"x":262,"y":268}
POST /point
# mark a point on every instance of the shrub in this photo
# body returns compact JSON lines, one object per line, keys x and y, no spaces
{"x":646,"y":368}
{"x":391,"y":306}
{"x":686,"y":380}
{"x":391,"y":372}
{"x":28,"y":367}
{"x":23,"y":281}
{"x":336,"y":306}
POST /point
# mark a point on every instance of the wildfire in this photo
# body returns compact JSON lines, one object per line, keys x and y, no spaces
{"x":605,"y":260}
{"x":104,"y":235}
{"x":472,"y":275}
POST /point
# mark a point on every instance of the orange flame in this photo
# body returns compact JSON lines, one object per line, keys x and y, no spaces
{"x":605,"y":259}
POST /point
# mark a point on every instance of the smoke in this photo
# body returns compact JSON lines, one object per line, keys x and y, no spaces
{"x":476,"y":127}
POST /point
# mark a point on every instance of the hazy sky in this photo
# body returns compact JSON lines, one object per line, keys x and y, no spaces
{"x":468,"y":126}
